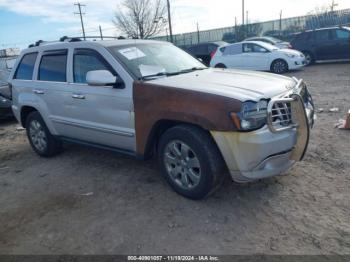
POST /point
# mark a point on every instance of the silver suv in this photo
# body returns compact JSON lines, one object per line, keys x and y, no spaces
{"x":145,"y":98}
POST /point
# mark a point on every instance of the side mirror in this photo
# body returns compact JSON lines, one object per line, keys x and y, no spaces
{"x":100,"y":78}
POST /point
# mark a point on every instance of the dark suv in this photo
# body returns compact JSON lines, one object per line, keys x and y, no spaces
{"x":324,"y":44}
{"x":205,"y":51}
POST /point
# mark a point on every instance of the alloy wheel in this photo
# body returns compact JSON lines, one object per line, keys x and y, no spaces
{"x":182,"y":164}
{"x":279,"y":67}
{"x":37,"y":135}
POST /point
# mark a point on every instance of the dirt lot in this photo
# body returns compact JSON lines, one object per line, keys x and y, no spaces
{"x":89,"y":201}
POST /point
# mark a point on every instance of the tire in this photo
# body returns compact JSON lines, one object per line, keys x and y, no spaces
{"x":190,"y":161}
{"x":39,"y":136}
{"x":220,"y":66}
{"x":309,"y":58}
{"x":279,"y":66}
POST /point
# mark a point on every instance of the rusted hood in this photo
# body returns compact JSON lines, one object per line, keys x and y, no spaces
{"x":238,"y":84}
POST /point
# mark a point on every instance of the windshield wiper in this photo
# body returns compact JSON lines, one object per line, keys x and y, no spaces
{"x":184,"y":71}
{"x":158,"y":74}
{"x":191,"y":70}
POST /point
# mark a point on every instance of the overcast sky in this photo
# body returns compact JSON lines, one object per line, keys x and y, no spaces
{"x":25,"y":21}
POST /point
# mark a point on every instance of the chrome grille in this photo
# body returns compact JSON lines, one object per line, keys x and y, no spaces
{"x":281,"y":114}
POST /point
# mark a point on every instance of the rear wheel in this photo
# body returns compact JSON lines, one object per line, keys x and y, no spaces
{"x":39,"y":136}
{"x":190,"y":161}
{"x":279,"y":66}
{"x":309,"y":58}
{"x":220,"y":66}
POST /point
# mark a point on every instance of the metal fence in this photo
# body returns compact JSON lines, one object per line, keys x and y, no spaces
{"x":284,"y":28}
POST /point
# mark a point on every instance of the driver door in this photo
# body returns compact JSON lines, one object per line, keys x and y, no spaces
{"x":255,"y":57}
{"x":102,"y":115}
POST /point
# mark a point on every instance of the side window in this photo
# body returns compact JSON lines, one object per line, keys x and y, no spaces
{"x":26,"y":67}
{"x":322,"y":35}
{"x":342,"y":34}
{"x":53,"y":66}
{"x":86,"y":60}
{"x":253,"y":48}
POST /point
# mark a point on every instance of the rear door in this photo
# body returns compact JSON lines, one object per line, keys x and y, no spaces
{"x":324,"y":44}
{"x":102,"y":115}
{"x":232,"y":56}
{"x":342,"y":42}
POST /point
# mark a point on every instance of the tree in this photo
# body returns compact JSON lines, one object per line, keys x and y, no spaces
{"x":141,"y":18}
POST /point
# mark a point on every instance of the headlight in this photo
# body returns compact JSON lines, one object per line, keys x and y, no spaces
{"x":252,"y":116}
{"x":290,"y":55}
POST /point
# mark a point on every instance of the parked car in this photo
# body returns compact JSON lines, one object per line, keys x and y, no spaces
{"x":205,"y":51}
{"x":7,"y":60}
{"x":5,"y":101}
{"x":145,"y":98}
{"x":257,"y":56}
{"x":271,"y":40}
{"x":324,"y":44}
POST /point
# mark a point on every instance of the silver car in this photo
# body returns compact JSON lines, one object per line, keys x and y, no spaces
{"x":148,"y":98}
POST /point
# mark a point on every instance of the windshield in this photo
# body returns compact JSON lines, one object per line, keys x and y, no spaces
{"x":268,"y":46}
{"x":273,"y":39}
{"x":151,"y":59}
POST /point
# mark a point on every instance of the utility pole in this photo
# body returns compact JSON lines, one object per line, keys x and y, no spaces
{"x":243,"y":12}
{"x":243,"y":28}
{"x":280,"y":24}
{"x":100,"y":32}
{"x":198,"y":33}
{"x":246,"y":24}
{"x":169,"y":20}
{"x":333,"y":5}
{"x":81,"y":17}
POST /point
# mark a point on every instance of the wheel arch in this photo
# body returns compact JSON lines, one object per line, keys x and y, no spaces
{"x":220,"y":65}
{"x":25,"y":111}
{"x":158,"y":129}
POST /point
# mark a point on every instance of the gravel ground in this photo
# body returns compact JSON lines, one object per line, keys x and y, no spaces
{"x":89,"y":201}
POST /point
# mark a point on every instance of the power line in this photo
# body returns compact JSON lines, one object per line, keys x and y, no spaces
{"x":81,"y":17}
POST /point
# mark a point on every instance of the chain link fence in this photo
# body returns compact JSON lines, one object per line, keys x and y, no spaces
{"x":283,"y":29}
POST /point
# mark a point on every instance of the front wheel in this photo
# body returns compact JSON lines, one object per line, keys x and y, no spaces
{"x":279,"y":66}
{"x":190,"y":161}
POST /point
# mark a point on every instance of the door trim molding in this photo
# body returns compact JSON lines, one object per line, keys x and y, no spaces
{"x":87,"y":126}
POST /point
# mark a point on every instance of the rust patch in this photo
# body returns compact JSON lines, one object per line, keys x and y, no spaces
{"x":153,"y":103}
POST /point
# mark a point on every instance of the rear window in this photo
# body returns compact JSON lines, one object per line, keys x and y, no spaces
{"x":26,"y":67}
{"x":303,"y":37}
{"x":53,"y":66}
{"x":323,"y":35}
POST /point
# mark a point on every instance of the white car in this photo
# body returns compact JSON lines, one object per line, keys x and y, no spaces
{"x":270,"y":40}
{"x":257,"y":56}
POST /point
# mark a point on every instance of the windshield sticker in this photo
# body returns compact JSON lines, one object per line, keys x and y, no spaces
{"x":132,"y":53}
{"x":147,"y":70}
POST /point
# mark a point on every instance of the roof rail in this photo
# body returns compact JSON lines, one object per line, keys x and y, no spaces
{"x":75,"y":39}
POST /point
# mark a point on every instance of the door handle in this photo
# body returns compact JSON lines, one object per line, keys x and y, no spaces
{"x":78,"y":96}
{"x":38,"y":91}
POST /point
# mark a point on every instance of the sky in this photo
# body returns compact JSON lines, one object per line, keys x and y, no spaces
{"x":25,"y":21}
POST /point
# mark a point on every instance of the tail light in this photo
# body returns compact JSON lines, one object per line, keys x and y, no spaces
{"x":213,"y":53}
{"x":10,"y":87}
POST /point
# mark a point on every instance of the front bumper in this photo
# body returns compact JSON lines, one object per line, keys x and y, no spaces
{"x":296,"y":63}
{"x":272,"y":150}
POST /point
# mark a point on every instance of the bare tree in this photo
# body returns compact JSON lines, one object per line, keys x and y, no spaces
{"x":141,"y":18}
